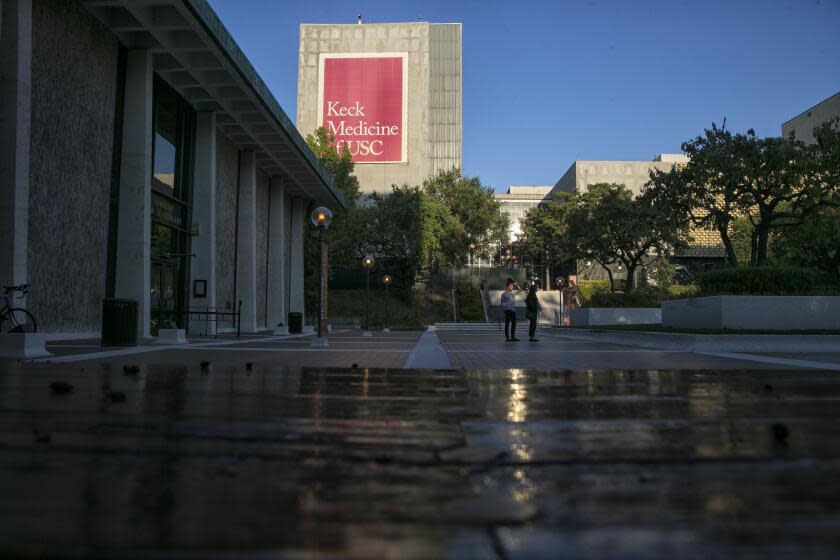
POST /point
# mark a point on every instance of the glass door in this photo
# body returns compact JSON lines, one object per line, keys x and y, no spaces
{"x":174,"y":126}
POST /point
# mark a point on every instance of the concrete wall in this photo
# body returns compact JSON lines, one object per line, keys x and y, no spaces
{"x":593,"y":316}
{"x":445,"y":146}
{"x":803,"y":125}
{"x":753,"y":312}
{"x":262,"y":245}
{"x":74,"y":79}
{"x":434,"y":64}
{"x":227,"y":155}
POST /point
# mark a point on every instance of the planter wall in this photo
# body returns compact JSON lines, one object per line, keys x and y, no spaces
{"x":753,"y":312}
{"x":595,"y":316}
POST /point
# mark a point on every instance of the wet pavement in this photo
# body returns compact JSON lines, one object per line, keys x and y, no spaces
{"x":157,"y":455}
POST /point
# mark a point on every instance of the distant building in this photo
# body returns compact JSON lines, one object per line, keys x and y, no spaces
{"x":517,"y":201}
{"x":390,"y":92}
{"x":803,"y":125}
{"x":631,"y":174}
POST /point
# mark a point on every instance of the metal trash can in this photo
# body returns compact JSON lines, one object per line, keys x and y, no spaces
{"x":119,"y":322}
{"x":295,"y":322}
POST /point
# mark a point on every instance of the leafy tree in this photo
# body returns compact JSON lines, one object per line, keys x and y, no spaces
{"x":773,"y":183}
{"x":814,"y":244}
{"x":473,"y":206}
{"x":546,"y":232}
{"x":340,"y":166}
{"x":611,"y":225}
{"x":705,"y":191}
{"x":347,"y":232}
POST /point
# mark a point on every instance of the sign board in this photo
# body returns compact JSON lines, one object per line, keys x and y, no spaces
{"x":362,"y":100}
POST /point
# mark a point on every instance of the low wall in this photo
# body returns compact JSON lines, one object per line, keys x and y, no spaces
{"x":753,"y":312}
{"x":595,"y":316}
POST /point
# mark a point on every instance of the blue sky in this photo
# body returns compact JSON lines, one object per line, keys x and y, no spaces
{"x":546,"y":83}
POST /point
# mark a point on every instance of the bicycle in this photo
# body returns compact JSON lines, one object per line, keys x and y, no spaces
{"x":16,"y":319}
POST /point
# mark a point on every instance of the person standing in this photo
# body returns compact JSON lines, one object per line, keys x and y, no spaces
{"x":509,"y":307}
{"x":532,"y":309}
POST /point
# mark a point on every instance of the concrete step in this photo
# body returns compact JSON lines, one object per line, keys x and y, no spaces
{"x":466,"y":326}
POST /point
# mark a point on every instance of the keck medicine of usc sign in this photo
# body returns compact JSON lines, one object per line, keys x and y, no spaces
{"x":362,"y":101}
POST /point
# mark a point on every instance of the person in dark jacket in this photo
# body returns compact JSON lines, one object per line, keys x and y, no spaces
{"x":532,"y":308}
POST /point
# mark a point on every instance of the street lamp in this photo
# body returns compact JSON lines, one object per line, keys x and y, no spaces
{"x":321,"y":218}
{"x":387,"y":281}
{"x":367,"y":263}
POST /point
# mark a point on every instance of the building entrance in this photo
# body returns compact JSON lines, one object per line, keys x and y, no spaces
{"x":171,"y":190}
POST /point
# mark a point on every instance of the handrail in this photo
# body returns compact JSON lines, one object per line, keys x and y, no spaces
{"x":207,"y":312}
{"x":485,"y":305}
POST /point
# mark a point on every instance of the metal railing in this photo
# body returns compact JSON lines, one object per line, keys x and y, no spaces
{"x":212,"y":315}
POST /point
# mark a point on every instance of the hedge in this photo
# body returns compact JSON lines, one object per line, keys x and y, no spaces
{"x":764,"y":280}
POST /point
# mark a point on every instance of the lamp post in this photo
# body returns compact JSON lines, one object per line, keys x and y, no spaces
{"x":321,"y":218}
{"x":387,"y":281}
{"x":367,"y":263}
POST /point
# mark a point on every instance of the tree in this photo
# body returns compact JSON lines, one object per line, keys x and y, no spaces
{"x":473,"y":206}
{"x":776,"y":185}
{"x":705,"y":191}
{"x":610,"y":225}
{"x":814,"y":244}
{"x":340,"y":166}
{"x":348,"y":229}
{"x":545,"y":229}
{"x":772,"y":182}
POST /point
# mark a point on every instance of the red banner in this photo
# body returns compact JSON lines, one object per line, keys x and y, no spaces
{"x":362,"y":102}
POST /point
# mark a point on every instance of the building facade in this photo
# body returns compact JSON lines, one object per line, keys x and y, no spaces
{"x":142,"y":157}
{"x":803,"y":124}
{"x":390,"y":92}
{"x":517,"y":201}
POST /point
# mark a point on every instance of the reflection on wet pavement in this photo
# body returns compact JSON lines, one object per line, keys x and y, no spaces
{"x":379,"y":463}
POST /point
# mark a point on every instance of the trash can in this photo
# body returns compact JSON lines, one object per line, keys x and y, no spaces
{"x":295,"y":322}
{"x":119,"y":322}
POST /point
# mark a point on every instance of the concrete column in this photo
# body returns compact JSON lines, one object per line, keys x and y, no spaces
{"x":296,"y":263}
{"x":203,"y":265}
{"x":276,"y":255}
{"x":135,"y":219}
{"x":246,"y":248}
{"x":15,"y":111}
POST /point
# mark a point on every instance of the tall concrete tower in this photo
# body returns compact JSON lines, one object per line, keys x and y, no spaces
{"x":391,"y":92}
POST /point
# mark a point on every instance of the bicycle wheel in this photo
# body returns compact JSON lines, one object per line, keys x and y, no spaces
{"x":19,"y":320}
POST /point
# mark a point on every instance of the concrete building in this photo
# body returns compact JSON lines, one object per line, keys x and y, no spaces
{"x":631,"y":174}
{"x":143,"y":157}
{"x":517,"y":201}
{"x":803,"y":125}
{"x":391,"y":92}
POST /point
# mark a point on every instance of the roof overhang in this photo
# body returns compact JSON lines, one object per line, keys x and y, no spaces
{"x":195,"y":54}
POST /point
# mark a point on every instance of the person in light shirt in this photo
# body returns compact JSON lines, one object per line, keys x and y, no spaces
{"x":509,"y":307}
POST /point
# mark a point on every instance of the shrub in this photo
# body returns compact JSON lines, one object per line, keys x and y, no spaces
{"x":590,"y":287}
{"x":679,"y":292}
{"x":469,"y":304}
{"x":647,"y":296}
{"x":764,"y":280}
